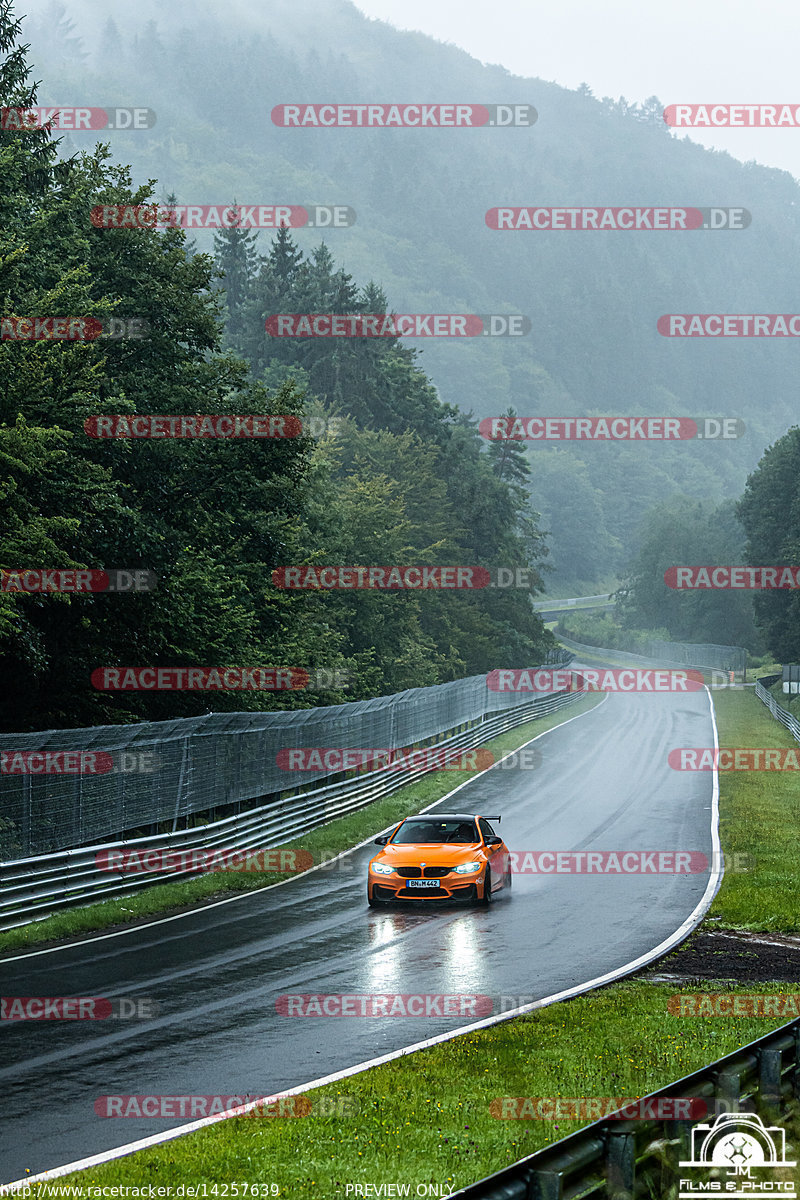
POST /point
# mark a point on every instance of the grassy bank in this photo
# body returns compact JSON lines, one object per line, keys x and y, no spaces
{"x":759,"y":817}
{"x":427,"y":1118}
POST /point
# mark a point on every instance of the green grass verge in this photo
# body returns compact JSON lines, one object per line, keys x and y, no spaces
{"x":426,"y":1118}
{"x":322,"y":843}
{"x":759,"y":817}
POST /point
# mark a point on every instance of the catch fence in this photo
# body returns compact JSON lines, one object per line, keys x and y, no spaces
{"x":701,"y":655}
{"x":214,"y":781}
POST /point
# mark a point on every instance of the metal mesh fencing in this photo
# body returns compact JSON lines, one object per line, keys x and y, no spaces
{"x":32,"y":888}
{"x":703,"y":656}
{"x":67,"y":788}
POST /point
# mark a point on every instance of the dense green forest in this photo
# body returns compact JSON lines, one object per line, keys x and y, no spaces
{"x":421,"y":197}
{"x":406,"y":478}
{"x":397,"y":471}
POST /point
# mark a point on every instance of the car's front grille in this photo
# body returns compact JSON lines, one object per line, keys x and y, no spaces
{"x":428,"y":873}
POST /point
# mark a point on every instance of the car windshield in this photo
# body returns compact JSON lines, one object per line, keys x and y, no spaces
{"x":435,"y":831}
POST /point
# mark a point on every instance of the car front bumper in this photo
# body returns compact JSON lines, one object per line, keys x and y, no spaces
{"x":448,"y":889}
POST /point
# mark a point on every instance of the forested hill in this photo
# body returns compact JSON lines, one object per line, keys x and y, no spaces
{"x":421,"y":196}
{"x":403,"y":480}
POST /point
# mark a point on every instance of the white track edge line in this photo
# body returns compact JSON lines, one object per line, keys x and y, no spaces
{"x":674,"y":939}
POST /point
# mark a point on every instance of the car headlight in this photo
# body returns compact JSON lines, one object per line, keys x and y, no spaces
{"x":381,"y":868}
{"x":467,"y":868}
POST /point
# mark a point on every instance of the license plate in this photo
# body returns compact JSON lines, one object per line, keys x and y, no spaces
{"x":422,"y":883}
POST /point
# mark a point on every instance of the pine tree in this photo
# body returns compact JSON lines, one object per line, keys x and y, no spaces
{"x":509,"y":458}
{"x":284,"y":260}
{"x":27,"y":157}
{"x":58,"y":28}
{"x":111,"y":48}
{"x":236,"y":254}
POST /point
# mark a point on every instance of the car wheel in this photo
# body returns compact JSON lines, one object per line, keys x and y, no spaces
{"x":487,"y":888}
{"x":372,"y":903}
{"x":507,"y":878}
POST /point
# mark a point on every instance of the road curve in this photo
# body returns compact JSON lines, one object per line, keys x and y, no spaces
{"x":602,"y":783}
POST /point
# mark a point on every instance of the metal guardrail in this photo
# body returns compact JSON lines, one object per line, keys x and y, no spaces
{"x":709,"y":655}
{"x":63,"y":788}
{"x":572,"y":602}
{"x":33,"y":888}
{"x":687,"y":650}
{"x":578,"y":648}
{"x":625,"y":1159}
{"x":781,"y":714}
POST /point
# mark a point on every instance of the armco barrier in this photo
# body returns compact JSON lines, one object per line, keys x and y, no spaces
{"x":778,"y":712}
{"x":626,"y":1159}
{"x":544,"y":606}
{"x":167,"y":774}
{"x":703,"y":656}
{"x":578,"y":648}
{"x":706,"y":654}
{"x":33,"y":887}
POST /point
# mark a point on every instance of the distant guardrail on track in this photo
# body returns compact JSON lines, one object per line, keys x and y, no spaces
{"x":704,"y":656}
{"x":778,"y":711}
{"x":573,"y":602}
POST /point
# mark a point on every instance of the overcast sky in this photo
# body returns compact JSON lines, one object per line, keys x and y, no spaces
{"x":721,"y":51}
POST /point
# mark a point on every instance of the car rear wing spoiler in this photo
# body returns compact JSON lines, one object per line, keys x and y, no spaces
{"x":492,"y":818}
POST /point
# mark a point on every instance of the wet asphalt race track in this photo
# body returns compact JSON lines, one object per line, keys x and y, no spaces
{"x":603,"y":783}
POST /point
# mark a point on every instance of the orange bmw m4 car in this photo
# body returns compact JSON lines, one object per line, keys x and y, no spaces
{"x":446,"y":856}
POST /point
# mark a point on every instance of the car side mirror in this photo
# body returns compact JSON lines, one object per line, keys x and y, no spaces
{"x":381,"y":841}
{"x":494,"y":841}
